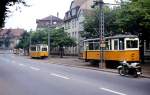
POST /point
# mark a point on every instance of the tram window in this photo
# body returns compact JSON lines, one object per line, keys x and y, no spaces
{"x":33,"y":48}
{"x":91,"y":46}
{"x":96,"y":46}
{"x":121,"y":44}
{"x":110,"y":45}
{"x":44,"y":49}
{"x":86,"y":46}
{"x":132,"y":44}
{"x":107,"y":45}
{"x":115,"y":44}
{"x":38,"y":48}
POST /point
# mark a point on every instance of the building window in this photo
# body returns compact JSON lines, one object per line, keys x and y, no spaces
{"x":68,"y":25}
{"x":54,"y":22}
{"x":75,"y":23}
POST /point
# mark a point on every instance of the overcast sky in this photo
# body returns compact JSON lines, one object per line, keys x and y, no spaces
{"x":26,"y":16}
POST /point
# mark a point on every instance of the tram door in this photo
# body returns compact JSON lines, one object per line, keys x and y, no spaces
{"x":118,"y":44}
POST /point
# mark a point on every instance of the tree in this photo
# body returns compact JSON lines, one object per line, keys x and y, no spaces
{"x":91,"y":23}
{"x":39,"y":36}
{"x":24,"y":42}
{"x":61,"y":39}
{"x":4,"y":8}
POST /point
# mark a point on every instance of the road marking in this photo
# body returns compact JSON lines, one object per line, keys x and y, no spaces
{"x":60,"y":76}
{"x":34,"y":68}
{"x":22,"y":65}
{"x":115,"y":92}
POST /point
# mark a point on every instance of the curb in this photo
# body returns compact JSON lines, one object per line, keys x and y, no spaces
{"x":97,"y":69}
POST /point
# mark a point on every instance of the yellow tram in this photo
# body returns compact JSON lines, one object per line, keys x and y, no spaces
{"x":117,"y":48}
{"x":39,"y":51}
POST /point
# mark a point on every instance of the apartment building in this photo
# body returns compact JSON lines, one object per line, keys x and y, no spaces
{"x":73,"y":22}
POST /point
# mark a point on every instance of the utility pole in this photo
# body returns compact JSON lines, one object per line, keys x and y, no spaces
{"x":101,"y":36}
{"x":30,"y":41}
{"x":49,"y":30}
{"x":49,"y":43}
{"x":100,"y":3}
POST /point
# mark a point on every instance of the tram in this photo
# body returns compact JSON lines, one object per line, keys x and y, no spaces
{"x":38,"y":51}
{"x":117,"y":48}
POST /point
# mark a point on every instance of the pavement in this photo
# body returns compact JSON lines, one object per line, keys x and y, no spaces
{"x":77,"y":62}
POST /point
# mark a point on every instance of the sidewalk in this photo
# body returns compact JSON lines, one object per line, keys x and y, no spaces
{"x":76,"y":62}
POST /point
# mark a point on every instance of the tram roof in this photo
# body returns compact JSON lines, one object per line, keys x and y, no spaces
{"x":39,"y":45}
{"x":122,"y":36}
{"x":115,"y":37}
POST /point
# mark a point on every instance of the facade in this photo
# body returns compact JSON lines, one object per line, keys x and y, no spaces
{"x":48,"y":22}
{"x":9,"y":38}
{"x":73,"y":22}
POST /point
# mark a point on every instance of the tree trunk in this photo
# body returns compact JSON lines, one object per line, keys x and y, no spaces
{"x":61,"y":52}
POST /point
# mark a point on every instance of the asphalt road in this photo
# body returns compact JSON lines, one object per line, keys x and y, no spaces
{"x":22,"y":76}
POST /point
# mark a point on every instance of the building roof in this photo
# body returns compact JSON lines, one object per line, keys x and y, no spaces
{"x":76,"y":7}
{"x":48,"y":22}
{"x":11,"y":32}
{"x":51,"y":17}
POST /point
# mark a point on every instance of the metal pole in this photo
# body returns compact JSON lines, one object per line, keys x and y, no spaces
{"x":101,"y":34}
{"x":30,"y":42}
{"x":48,"y":43}
{"x":49,"y":36}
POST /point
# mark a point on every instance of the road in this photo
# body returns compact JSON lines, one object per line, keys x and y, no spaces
{"x":22,"y":76}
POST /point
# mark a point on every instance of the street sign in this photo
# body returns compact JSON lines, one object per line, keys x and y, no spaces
{"x":102,"y":45}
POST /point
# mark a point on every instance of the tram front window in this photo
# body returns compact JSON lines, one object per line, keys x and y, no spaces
{"x":33,"y":48}
{"x":132,"y":44}
{"x":44,"y":49}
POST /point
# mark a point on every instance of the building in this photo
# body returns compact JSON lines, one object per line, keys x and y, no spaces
{"x":73,"y":22}
{"x":48,"y":22}
{"x":9,"y":38}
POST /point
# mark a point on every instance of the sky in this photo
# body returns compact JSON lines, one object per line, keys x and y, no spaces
{"x":26,"y":16}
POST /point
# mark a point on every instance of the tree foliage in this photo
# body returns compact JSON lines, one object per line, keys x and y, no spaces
{"x":91,"y":23}
{"x":59,"y":38}
{"x":39,"y":36}
{"x":24,"y":41}
{"x":4,"y":8}
{"x":130,"y":17}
